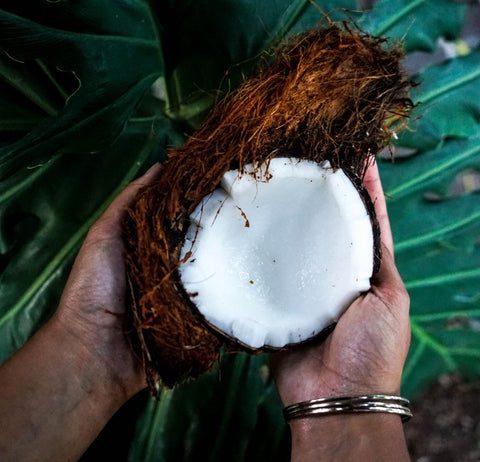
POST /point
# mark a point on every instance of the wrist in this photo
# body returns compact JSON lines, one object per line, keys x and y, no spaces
{"x":55,"y":398}
{"x":306,"y":391}
{"x":340,"y":437}
{"x":92,"y":372}
{"x":299,"y":379}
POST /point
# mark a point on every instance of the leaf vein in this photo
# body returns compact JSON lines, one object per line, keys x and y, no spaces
{"x":434,"y":345}
{"x":445,"y":315}
{"x":447,"y":278}
{"x":428,"y":237}
{"x":388,"y":24}
{"x":435,"y":171}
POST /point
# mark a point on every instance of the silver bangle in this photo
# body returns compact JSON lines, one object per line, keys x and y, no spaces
{"x":350,"y":404}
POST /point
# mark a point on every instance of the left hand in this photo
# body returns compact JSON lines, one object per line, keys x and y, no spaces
{"x":93,"y":304}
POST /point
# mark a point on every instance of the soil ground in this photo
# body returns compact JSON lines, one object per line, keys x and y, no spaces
{"x":446,"y":422}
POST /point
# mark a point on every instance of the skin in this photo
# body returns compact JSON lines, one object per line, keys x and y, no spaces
{"x":63,"y":386}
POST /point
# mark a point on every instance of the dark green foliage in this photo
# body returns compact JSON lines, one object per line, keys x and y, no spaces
{"x":78,"y":122}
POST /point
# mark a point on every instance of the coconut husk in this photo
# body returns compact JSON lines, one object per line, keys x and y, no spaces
{"x":329,"y":94}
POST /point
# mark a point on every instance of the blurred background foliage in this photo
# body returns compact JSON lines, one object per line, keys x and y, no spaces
{"x":92,"y":92}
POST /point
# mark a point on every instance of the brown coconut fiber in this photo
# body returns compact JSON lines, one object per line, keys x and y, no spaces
{"x":329,"y":94}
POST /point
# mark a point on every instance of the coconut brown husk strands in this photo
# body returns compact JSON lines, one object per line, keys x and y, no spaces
{"x":331,"y":94}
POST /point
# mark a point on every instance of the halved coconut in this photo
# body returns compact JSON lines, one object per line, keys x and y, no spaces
{"x":276,"y":254}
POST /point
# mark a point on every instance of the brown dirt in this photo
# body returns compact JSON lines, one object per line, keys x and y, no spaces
{"x":446,"y":422}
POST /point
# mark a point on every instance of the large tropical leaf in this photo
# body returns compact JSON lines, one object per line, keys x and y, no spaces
{"x":438,"y":254}
{"x":232,"y":414}
{"x":45,"y":218}
{"x":112,"y":58}
{"x":417,"y":23}
{"x":70,"y":79}
{"x":76,"y":125}
{"x":448,"y":103}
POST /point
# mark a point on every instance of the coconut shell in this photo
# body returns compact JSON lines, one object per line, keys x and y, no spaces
{"x":329,"y":94}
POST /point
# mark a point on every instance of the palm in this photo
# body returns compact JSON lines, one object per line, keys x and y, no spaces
{"x":370,"y":343}
{"x":93,"y":305}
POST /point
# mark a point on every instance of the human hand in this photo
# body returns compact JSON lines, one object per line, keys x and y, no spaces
{"x":93,"y":304}
{"x":366,"y":351}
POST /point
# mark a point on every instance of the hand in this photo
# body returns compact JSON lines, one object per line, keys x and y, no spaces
{"x":92,"y":307}
{"x":367,"y":349}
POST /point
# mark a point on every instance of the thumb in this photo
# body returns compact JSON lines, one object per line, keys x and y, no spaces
{"x":109,"y":224}
{"x":388,"y":274}
{"x":387,"y":284}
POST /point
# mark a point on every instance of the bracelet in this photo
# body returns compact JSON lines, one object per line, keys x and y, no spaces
{"x":350,"y":404}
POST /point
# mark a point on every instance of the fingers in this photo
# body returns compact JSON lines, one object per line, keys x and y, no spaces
{"x":373,"y":185}
{"x":387,"y":283}
{"x":109,"y":224}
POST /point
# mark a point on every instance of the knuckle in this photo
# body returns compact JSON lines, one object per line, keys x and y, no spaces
{"x":396,"y":296}
{"x":403,"y":294}
{"x":400,"y":297}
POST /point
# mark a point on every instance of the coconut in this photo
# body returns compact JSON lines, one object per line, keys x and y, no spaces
{"x":257,"y":234}
{"x":275,"y":255}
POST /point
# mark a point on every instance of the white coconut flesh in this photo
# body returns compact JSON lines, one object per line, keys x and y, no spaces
{"x":276,"y":255}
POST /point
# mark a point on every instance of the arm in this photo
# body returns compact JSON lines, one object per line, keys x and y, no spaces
{"x":56,"y":397}
{"x":62,"y":387}
{"x":365,"y":354}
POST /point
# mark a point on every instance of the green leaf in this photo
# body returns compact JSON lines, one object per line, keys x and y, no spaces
{"x":417,"y":23}
{"x":70,"y":80}
{"x":114,"y":62}
{"x":448,"y":99}
{"x":76,"y":124}
{"x":44,"y":218}
{"x":438,"y":255}
{"x":433,"y":170}
{"x":28,"y":81}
